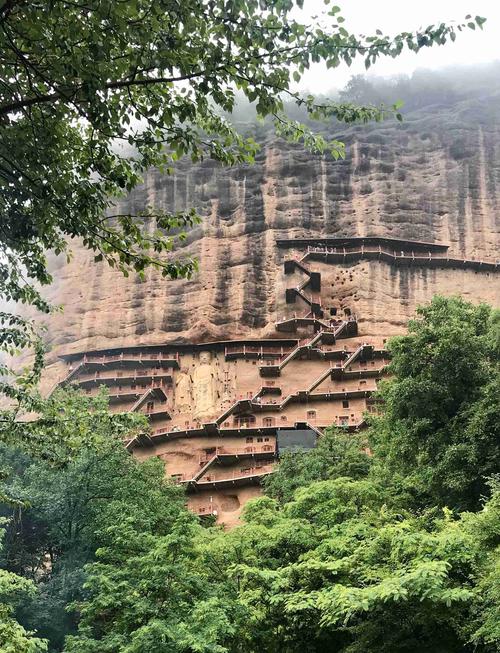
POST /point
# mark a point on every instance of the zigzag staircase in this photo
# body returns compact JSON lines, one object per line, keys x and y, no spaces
{"x":274,"y":369}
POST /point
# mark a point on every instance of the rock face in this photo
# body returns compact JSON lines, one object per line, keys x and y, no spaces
{"x":436,"y":178}
{"x":433,"y":179}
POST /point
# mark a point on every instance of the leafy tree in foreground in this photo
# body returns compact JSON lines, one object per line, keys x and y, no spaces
{"x":336,"y":570}
{"x":95,"y":92}
{"x":57,"y":496}
{"x":106,"y":509}
{"x":108,"y":543}
{"x":14,"y":590}
{"x":148,"y":592}
{"x":67,"y":422}
{"x":349,"y":554}
{"x":439,"y":433}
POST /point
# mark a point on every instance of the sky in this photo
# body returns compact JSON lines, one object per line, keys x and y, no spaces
{"x":393,"y":16}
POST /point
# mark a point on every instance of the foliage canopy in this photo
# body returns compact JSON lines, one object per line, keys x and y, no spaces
{"x":347,"y":552}
{"x":439,"y":433}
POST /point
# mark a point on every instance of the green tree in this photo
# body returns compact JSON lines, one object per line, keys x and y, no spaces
{"x":148,"y":592}
{"x":335,"y":569}
{"x":484,"y":627}
{"x":439,"y":431}
{"x":13,"y":590}
{"x":337,"y":453}
{"x":107,"y":541}
{"x":58,"y":492}
{"x":94,"y":92}
{"x":350,"y":553}
{"x":67,"y":421}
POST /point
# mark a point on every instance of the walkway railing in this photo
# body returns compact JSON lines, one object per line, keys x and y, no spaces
{"x":245,"y":451}
{"x":236,"y":474}
{"x":125,"y":356}
{"x":391,"y":255}
{"x":261,"y":351}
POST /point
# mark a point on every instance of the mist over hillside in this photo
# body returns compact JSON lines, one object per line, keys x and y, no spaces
{"x":422,"y":89}
{"x":425,"y":87}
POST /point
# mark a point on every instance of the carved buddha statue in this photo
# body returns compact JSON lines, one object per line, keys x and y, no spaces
{"x":205,"y":391}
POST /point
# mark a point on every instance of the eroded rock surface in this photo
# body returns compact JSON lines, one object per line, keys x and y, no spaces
{"x":434,"y":178}
{"x":219,"y":409}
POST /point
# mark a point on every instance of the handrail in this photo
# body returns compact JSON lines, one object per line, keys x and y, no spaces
{"x":236,"y":349}
{"x":141,"y":356}
{"x":115,"y":377}
{"x":246,"y":451}
{"x":143,"y":397}
{"x":220,"y":451}
{"x":236,"y":474}
{"x":307,"y":343}
{"x":276,"y":407}
{"x":401,"y":255}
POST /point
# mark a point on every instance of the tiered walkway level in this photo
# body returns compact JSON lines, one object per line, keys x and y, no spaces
{"x":259,"y":462}
{"x":340,"y":370}
{"x":328,"y":334}
{"x":391,"y":250}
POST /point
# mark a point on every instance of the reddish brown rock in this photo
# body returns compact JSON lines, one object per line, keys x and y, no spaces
{"x":434,"y":179}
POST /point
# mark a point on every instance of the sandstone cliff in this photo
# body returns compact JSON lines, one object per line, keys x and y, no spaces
{"x":435,"y":178}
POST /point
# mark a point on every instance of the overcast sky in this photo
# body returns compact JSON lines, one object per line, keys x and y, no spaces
{"x":392,"y":16}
